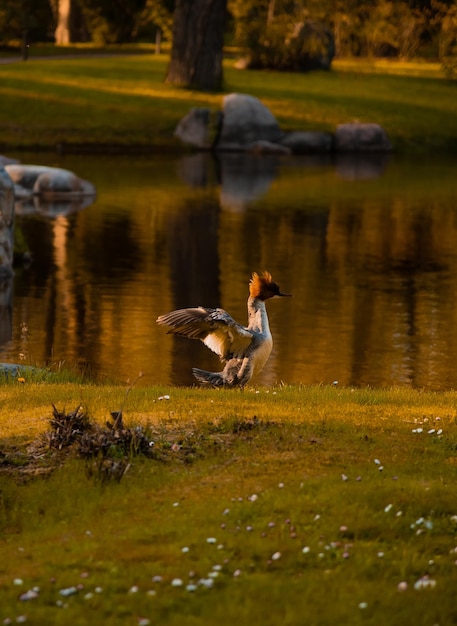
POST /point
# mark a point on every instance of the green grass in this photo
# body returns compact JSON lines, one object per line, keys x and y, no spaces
{"x":123,"y":101}
{"x":339,"y":472}
{"x":49,"y":50}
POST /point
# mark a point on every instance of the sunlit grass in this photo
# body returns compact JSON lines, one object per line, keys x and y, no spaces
{"x":124,"y":100}
{"x":294,"y":501}
{"x":418,"y":67}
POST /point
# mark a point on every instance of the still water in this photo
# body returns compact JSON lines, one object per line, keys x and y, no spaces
{"x":367,"y":247}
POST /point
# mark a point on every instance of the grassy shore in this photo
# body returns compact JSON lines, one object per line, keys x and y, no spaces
{"x":122,"y":101}
{"x":288,"y":505}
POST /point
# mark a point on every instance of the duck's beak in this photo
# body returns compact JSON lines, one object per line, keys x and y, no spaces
{"x":285,"y":295}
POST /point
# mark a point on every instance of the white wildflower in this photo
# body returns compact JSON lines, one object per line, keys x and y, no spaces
{"x":425,"y":583}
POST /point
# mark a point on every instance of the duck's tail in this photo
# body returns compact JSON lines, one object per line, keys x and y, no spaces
{"x":209,"y":379}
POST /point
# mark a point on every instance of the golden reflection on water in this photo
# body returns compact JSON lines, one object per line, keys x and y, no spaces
{"x":367,"y":248}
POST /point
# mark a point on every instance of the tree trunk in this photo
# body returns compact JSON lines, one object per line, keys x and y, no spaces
{"x":71,"y":26}
{"x":62,"y":33}
{"x":198,"y":41}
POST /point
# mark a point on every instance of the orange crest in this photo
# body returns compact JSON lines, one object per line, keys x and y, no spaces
{"x":258,"y":283}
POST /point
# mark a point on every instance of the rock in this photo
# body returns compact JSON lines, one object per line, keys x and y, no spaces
{"x":25,"y":175}
{"x":358,"y":137}
{"x":247,"y":125}
{"x":6,"y":253}
{"x":6,"y":199}
{"x":21,"y":193}
{"x":6,"y":225}
{"x":308,"y":142}
{"x":49,"y":181}
{"x":267,"y":147}
{"x":194,"y":128}
{"x":245,"y":121}
{"x":62,"y":184}
{"x":4,"y":160}
{"x":18,"y":370}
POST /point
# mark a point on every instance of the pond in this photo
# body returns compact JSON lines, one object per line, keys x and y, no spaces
{"x":367,"y":247}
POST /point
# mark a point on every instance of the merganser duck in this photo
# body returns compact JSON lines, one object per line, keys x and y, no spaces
{"x":244,"y":349}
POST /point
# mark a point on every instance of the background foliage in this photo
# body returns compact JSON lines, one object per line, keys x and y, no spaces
{"x":268,"y":28}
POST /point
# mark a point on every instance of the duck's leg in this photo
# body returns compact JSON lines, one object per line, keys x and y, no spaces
{"x":245,"y":372}
{"x":227,"y":378}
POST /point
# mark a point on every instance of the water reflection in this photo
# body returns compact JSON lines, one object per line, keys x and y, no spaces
{"x":361,"y":166}
{"x":367,"y":248}
{"x":51,"y":208}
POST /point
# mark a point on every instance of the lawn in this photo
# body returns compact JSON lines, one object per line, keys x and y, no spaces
{"x":287,"y":505}
{"x":122,"y":101}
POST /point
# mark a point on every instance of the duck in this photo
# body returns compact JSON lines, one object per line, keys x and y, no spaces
{"x":243,"y":349}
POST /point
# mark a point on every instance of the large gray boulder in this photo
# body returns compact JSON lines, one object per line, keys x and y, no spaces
{"x":48,"y":182}
{"x":245,"y":120}
{"x":358,"y":137}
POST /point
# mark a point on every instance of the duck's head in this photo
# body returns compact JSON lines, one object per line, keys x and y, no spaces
{"x":263,"y":287}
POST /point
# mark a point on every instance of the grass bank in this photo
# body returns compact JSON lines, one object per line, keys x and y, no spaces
{"x":288,"y":505}
{"x":122,"y":102}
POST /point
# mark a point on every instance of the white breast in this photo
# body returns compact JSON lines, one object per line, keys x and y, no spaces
{"x":260,"y":356}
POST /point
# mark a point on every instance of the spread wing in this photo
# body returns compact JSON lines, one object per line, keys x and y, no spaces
{"x":215,"y":327}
